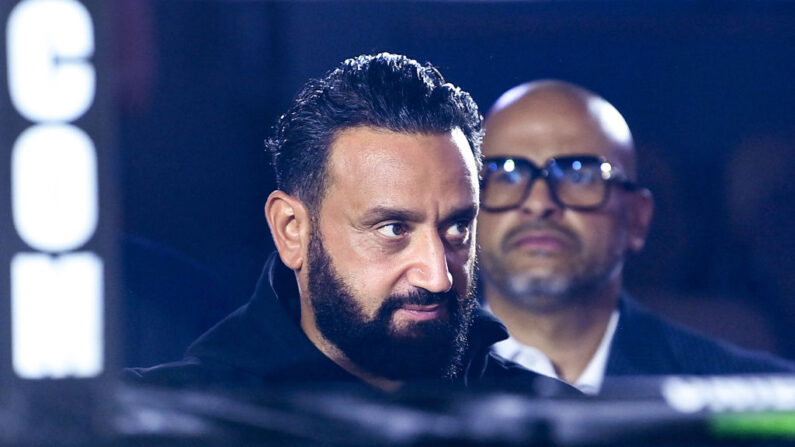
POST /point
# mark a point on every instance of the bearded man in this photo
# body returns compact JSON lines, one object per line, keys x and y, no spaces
{"x":377,"y":170}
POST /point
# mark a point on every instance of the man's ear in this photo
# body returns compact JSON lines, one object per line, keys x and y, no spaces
{"x":288,"y":220}
{"x":640,"y":219}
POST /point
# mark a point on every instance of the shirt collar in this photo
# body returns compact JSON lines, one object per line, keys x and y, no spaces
{"x":589,"y":382}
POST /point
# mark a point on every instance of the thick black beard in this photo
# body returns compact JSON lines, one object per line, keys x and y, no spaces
{"x":422,"y":350}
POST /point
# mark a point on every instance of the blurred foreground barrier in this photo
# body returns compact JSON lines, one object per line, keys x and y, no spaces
{"x":644,"y":411}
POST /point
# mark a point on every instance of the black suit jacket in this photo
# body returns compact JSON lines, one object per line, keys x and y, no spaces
{"x":648,"y":344}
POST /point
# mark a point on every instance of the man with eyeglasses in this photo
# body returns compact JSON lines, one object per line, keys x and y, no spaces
{"x":560,"y":209}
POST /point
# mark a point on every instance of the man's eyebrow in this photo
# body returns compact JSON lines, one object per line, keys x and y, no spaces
{"x":382,"y":213}
{"x":467,"y":213}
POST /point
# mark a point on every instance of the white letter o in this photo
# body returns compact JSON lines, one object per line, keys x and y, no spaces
{"x":54,"y":187}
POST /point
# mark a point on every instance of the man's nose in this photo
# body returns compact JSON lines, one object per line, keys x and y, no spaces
{"x":428,"y":268}
{"x":540,"y":201}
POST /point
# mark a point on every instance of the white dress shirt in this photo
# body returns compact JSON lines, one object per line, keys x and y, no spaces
{"x":589,"y":382}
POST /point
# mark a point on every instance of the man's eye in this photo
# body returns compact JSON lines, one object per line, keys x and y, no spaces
{"x":503,"y":177}
{"x":393,"y":230}
{"x":458,"y":233}
{"x":581,"y":177}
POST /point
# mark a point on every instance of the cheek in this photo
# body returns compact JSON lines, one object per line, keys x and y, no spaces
{"x":603,"y":234}
{"x":369,"y":283}
{"x":361,"y":271}
{"x":491,"y":228}
{"x":461,"y":267}
{"x":354,"y":254}
{"x":367,"y":286}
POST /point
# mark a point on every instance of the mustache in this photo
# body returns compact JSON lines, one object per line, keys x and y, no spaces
{"x":541,"y":225}
{"x":419,"y":297}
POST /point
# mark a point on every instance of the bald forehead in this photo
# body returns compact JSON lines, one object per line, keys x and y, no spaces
{"x":548,"y":116}
{"x":527,"y":97}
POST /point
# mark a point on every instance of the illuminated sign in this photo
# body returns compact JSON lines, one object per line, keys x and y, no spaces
{"x":56,"y":283}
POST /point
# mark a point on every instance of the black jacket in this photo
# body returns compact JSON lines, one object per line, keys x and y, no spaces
{"x":261,"y":345}
{"x":647,"y":344}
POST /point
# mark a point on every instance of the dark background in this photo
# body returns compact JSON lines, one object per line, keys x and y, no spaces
{"x":706,"y":87}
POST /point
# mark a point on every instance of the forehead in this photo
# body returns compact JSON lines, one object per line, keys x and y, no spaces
{"x":541,"y":128}
{"x":378,"y":167}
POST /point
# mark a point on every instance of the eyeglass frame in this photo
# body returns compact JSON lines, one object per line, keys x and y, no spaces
{"x":615,"y":178}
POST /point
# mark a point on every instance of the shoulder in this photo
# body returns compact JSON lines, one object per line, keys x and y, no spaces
{"x":190,"y":372}
{"x":646,"y":343}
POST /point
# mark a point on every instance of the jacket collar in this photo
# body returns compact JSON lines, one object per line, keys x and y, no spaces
{"x":631,"y":352}
{"x":264,"y":336}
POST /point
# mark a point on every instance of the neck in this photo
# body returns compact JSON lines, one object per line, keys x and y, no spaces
{"x":568,"y":335}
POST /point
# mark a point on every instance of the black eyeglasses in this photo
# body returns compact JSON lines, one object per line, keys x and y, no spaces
{"x":579,"y":182}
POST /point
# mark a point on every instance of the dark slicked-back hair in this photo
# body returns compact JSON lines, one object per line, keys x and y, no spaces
{"x":385,"y":91}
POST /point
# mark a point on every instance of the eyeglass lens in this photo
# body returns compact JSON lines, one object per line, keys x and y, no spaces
{"x":574,"y":182}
